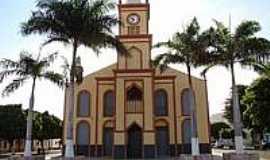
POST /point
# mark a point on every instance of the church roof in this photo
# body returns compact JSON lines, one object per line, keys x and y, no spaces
{"x":108,"y":72}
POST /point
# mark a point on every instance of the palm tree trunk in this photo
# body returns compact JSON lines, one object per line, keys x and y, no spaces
{"x":28,"y":141}
{"x":194,"y":138}
{"x":238,"y":137}
{"x":69,"y":149}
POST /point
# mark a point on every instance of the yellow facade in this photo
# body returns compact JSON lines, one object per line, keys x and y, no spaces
{"x":136,"y":116}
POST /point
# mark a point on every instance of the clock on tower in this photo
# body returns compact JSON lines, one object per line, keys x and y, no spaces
{"x":133,"y":33}
{"x":133,"y":19}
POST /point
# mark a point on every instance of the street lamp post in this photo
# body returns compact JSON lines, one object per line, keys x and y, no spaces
{"x":79,"y":71}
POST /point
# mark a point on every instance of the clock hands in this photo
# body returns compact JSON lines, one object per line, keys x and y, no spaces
{"x":133,"y":19}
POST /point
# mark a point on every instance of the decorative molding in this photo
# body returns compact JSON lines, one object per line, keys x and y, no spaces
{"x":164,"y":77}
{"x":133,"y":6}
{"x":139,"y":36}
{"x":133,"y":70}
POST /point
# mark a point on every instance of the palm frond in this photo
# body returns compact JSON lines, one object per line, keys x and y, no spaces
{"x":159,"y":62}
{"x":86,"y":22}
{"x":7,"y":73}
{"x":113,"y":42}
{"x":207,"y":68}
{"x":56,"y":78}
{"x":104,"y":40}
{"x":160,"y":44}
{"x":262,"y":69}
{"x":45,"y":3}
{"x":247,"y":29}
{"x":26,"y":60}
{"x":66,"y":67}
{"x":47,"y":61}
{"x":100,"y":7}
{"x":28,"y":67}
{"x":163,"y":60}
{"x":55,"y":39}
{"x":257,"y":47}
{"x":190,"y":47}
{"x":40,"y":23}
{"x":14,"y":85}
{"x":168,"y":44}
{"x":7,"y":64}
{"x":242,"y":47}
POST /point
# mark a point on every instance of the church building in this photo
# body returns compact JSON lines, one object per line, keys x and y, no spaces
{"x":132,"y":110}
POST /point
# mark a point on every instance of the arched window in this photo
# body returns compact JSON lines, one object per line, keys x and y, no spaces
{"x":109,"y":103}
{"x":83,"y":134}
{"x":134,"y":100}
{"x":186,"y":131}
{"x":187,"y":102}
{"x":84,"y":101}
{"x":161,"y":108}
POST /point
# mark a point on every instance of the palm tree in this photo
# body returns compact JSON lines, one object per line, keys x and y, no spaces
{"x":25,"y":69}
{"x":189,"y":48}
{"x":241,"y":47}
{"x":75,"y":22}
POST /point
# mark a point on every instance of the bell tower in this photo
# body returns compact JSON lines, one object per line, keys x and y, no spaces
{"x":134,"y":83}
{"x":134,"y":34}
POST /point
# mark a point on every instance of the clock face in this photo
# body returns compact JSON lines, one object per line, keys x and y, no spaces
{"x":133,"y":19}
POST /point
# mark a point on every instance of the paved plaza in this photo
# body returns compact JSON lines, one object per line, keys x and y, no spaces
{"x":264,"y":155}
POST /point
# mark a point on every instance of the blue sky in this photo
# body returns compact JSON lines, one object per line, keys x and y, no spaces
{"x":166,"y":18}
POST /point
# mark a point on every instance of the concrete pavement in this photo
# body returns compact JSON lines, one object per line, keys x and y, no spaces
{"x":264,"y":155}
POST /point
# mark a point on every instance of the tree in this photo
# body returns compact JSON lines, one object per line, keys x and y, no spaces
{"x":75,"y":22}
{"x":12,"y":124}
{"x":257,"y":101}
{"x":217,"y":128}
{"x":38,"y":133}
{"x":45,"y":127}
{"x":54,"y":126}
{"x":242,"y":47}
{"x":28,"y":68}
{"x":189,"y":48}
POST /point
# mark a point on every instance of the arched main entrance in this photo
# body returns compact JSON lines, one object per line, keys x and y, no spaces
{"x":134,"y":145}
